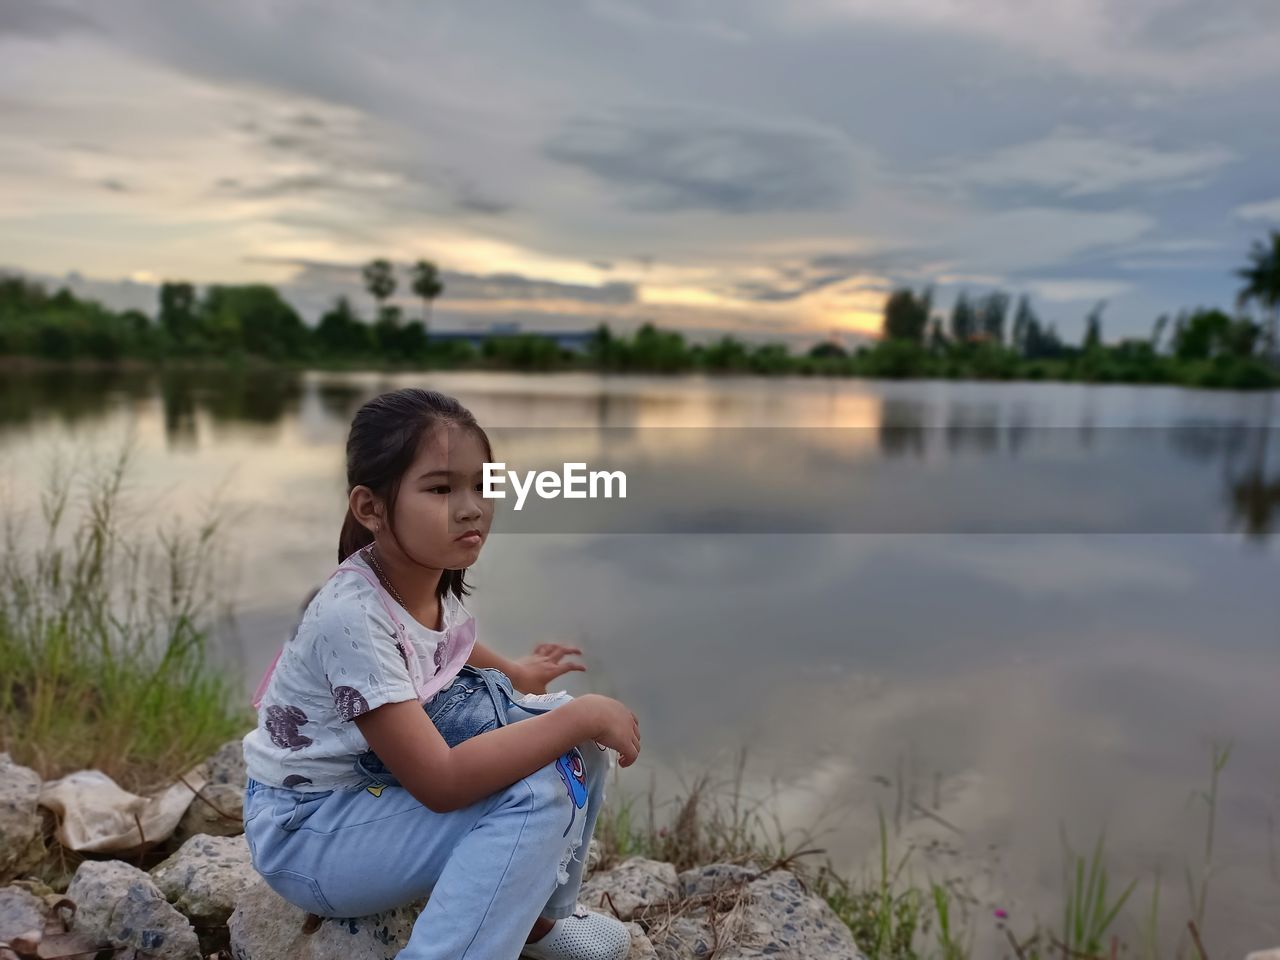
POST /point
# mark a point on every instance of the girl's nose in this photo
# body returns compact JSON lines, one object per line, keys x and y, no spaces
{"x":471,"y":507}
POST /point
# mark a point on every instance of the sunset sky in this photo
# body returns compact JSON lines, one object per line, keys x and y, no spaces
{"x":766,"y":168}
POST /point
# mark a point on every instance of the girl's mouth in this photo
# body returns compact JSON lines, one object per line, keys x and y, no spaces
{"x":470,"y":538}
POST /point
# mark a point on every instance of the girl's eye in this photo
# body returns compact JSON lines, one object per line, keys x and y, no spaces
{"x":479,"y":488}
{"x":440,"y":488}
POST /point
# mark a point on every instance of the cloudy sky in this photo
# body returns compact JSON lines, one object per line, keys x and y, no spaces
{"x":763,"y":167}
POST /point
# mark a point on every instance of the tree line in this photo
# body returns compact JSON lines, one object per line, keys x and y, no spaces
{"x":984,"y":336}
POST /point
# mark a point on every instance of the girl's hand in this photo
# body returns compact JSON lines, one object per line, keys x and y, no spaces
{"x":613,"y":726}
{"x":535,"y":671}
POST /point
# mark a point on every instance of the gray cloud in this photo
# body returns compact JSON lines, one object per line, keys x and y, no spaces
{"x":682,"y":158}
{"x":1000,"y":141}
{"x":41,"y":20}
{"x":341,"y":157}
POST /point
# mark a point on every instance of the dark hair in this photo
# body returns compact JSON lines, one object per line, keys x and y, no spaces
{"x":385,"y":435}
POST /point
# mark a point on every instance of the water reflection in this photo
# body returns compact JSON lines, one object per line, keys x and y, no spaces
{"x":1009,"y":682}
{"x":701,"y":477}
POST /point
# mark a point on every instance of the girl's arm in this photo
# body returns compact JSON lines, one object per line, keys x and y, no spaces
{"x":445,"y":779}
{"x":482,"y":656}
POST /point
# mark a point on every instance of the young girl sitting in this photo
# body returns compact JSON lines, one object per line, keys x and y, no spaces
{"x":387,"y":763}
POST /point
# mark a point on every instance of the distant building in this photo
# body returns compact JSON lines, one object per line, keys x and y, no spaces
{"x":577,"y":341}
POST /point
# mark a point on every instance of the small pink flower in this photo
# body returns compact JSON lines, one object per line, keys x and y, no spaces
{"x":1001,"y":914}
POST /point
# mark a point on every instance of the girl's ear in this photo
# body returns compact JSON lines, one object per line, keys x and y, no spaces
{"x":366,"y":508}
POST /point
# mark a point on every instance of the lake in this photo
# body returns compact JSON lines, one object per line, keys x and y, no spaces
{"x":992,"y":611}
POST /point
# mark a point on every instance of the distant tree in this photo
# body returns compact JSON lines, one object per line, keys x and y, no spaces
{"x":254,"y":317}
{"x":178,"y":312}
{"x":341,"y":333}
{"x":1093,"y":327}
{"x":604,"y":349}
{"x":990,"y":314}
{"x":963,"y":322}
{"x":1025,"y":325}
{"x":1204,"y":334}
{"x":828,"y":350}
{"x":1262,"y":284}
{"x":1157,"y":331}
{"x":412,"y":341}
{"x":380,"y":281}
{"x":661,"y":350}
{"x":937,"y":338}
{"x":427,"y":285}
{"x":727,"y":353}
{"x":770,"y":358}
{"x":906,"y":315}
{"x":386,"y":331}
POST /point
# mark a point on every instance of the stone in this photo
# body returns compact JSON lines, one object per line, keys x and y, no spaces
{"x":265,"y":926}
{"x":226,"y":766}
{"x":641,"y":948}
{"x":218,"y":811}
{"x":1272,"y":954}
{"x":681,"y":938}
{"x":21,"y":826}
{"x":20,"y":911}
{"x":29,"y":921}
{"x":594,"y":855}
{"x":773,"y":917}
{"x":121,"y":905}
{"x":631,"y":885}
{"x":698,"y":881}
{"x":203,"y":880}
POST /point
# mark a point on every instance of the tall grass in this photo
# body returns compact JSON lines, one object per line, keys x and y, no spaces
{"x":891,"y":914}
{"x":104,"y":612}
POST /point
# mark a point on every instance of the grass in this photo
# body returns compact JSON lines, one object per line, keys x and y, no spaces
{"x":892,"y":914}
{"x":104,"y":614}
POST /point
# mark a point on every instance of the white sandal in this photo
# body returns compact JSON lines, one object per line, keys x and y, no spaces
{"x":583,"y":935}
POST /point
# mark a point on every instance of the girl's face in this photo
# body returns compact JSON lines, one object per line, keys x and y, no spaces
{"x":441,"y":518}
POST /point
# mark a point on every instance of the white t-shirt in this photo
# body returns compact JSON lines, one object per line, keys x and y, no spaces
{"x":347,"y":658}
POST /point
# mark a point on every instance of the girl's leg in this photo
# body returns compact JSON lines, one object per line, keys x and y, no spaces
{"x":596,"y":769}
{"x":488,"y":867}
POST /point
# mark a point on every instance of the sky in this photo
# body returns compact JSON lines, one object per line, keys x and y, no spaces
{"x":766,"y":169}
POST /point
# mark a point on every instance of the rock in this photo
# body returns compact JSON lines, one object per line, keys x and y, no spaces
{"x":218,"y":811}
{"x":28,"y":921}
{"x":20,"y":911}
{"x":773,"y":916}
{"x":1272,"y":954}
{"x":21,"y":828}
{"x":681,"y":938}
{"x":265,"y":926}
{"x":593,"y":858}
{"x":633,"y":884}
{"x":698,"y":881}
{"x":120,"y":904}
{"x":203,"y":880}
{"x":641,"y":948}
{"x":227,"y":765}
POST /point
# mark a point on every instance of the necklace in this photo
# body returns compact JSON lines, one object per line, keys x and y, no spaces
{"x":382,"y":575}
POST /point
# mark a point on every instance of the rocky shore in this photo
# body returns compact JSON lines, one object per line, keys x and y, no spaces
{"x":203,"y":900}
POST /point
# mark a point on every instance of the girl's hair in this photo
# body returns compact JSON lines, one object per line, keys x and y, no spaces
{"x":384,"y":439}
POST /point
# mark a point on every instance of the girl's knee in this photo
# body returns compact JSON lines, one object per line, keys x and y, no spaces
{"x":562,"y":784}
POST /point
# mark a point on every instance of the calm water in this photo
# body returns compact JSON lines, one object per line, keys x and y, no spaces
{"x":1044,"y":604}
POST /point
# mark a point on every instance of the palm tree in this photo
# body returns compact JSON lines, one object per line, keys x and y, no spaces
{"x":380,"y":281}
{"x":1262,"y":283}
{"x":427,"y":285}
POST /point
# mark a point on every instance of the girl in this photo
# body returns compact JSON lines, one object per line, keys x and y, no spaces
{"x":387,"y":763}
